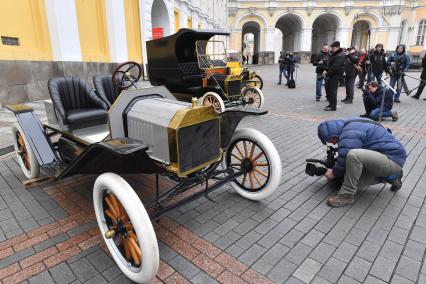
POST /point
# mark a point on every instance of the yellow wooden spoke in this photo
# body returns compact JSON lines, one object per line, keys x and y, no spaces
{"x":251,"y":180}
{"x":260,"y":172}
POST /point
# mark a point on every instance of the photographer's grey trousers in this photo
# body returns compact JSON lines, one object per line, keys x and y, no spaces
{"x":364,"y":168}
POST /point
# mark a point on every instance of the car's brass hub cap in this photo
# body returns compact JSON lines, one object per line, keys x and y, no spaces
{"x":251,"y":160}
{"x":212,"y":101}
{"x":22,"y":151}
{"x":121,"y":230}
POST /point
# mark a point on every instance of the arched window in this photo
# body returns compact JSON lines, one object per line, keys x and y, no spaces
{"x":421,"y":33}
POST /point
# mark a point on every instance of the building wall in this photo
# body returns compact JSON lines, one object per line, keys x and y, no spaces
{"x":85,"y":37}
{"x":297,"y":22}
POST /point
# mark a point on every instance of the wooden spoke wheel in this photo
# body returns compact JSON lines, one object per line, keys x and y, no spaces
{"x":253,"y":97}
{"x":213,"y":99}
{"x":256,"y":81}
{"x":26,"y":158}
{"x":126,"y":228}
{"x":252,"y":153}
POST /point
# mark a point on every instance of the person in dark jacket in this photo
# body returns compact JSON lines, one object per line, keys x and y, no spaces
{"x":398,"y":63}
{"x":291,"y":65}
{"x":376,"y":63}
{"x":361,"y":62}
{"x":335,"y":69}
{"x":373,"y":101}
{"x":367,"y":154}
{"x":321,"y":65}
{"x":282,"y":62}
{"x":422,"y":82}
{"x":351,"y":61}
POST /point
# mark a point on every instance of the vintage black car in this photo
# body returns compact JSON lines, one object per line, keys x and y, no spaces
{"x":143,"y":130}
{"x":190,"y":63}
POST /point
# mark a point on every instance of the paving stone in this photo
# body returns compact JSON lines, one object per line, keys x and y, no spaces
{"x":319,"y":280}
{"x":291,"y":238}
{"x":282,"y":271}
{"x":398,"y":235}
{"x":17,"y":256}
{"x":50,"y":242}
{"x":248,"y":240}
{"x":270,"y":239}
{"x":373,"y":280}
{"x":235,"y":250}
{"x":98,"y":279}
{"x":245,"y":226}
{"x":408,"y":268}
{"x":100,"y":260}
{"x":203,"y":278}
{"x":358,"y":269}
{"x":82,"y":228}
{"x":332,"y":269}
{"x":368,"y":251}
{"x":184,"y":267}
{"x":382,"y":268}
{"x":62,"y":273}
{"x":391,"y":251}
{"x":252,"y":254}
{"x":307,"y":270}
{"x":111,"y":272}
{"x":414,"y":250}
{"x":166,"y":253}
{"x":83,"y":269}
{"x":42,"y":278}
{"x":345,"y":251}
{"x":418,"y":234}
{"x":274,"y":254}
{"x":313,"y":238}
{"x":396,"y":279}
{"x":227,"y":240}
{"x":262,"y":266}
{"x":298,"y":253}
{"x":322,"y":252}
{"x":347,"y":280}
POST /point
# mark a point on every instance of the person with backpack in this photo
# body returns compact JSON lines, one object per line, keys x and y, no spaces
{"x":282,"y":65}
{"x":335,"y":69}
{"x":377,"y":63}
{"x":291,"y":67}
{"x":351,"y":73}
{"x":320,"y":63}
{"x":398,"y":64}
{"x":368,"y":154}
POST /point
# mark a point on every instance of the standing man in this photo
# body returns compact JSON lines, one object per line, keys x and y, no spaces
{"x":335,"y":69}
{"x":291,"y":65}
{"x":282,"y":62}
{"x":321,"y":66}
{"x":378,"y":63}
{"x":422,"y":82}
{"x":399,"y":63}
{"x":361,"y":62}
{"x":351,"y":73}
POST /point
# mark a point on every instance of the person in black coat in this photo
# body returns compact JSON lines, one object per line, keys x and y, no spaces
{"x":282,"y":62}
{"x":320,"y":63}
{"x":373,"y":102}
{"x":422,"y":82}
{"x":351,"y":72}
{"x":376,"y":63}
{"x":291,"y":65}
{"x":335,"y":69}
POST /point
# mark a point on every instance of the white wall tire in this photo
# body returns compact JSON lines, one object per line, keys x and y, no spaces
{"x":264,"y":179}
{"x":254,"y":97}
{"x":212,"y":98}
{"x":257,"y":81}
{"x":25,"y":155}
{"x":140,"y":223}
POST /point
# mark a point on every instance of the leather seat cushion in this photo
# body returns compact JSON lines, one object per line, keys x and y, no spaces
{"x":85,"y":115}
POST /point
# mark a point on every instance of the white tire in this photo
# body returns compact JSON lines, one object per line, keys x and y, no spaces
{"x":139,"y":222}
{"x":26,"y":158}
{"x":254,"y":96}
{"x":264,"y":177}
{"x":212,"y":98}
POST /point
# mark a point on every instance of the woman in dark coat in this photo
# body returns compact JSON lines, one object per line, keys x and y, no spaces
{"x":422,"y":82}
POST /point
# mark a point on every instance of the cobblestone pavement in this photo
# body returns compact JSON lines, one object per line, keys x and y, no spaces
{"x":48,"y":233}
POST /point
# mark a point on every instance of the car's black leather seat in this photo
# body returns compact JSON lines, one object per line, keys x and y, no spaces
{"x":190,"y":71}
{"x":105,"y":89}
{"x":75,"y":102}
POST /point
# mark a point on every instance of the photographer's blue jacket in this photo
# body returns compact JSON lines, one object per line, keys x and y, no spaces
{"x":401,"y":58}
{"x":375,"y":99}
{"x":360,"y":133}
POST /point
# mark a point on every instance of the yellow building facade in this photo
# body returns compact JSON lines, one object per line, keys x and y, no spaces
{"x":304,"y":26}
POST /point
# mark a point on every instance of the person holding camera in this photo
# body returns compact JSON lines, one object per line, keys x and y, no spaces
{"x":398,"y":63}
{"x":291,"y":65}
{"x":282,"y":61}
{"x":422,"y":84}
{"x":351,"y":72}
{"x":321,"y":65}
{"x":335,"y":69}
{"x":368,"y":154}
{"x":373,"y":97}
{"x":361,"y":62}
{"x":377,"y":64}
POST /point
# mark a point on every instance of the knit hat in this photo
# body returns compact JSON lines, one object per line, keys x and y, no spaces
{"x":335,"y":44}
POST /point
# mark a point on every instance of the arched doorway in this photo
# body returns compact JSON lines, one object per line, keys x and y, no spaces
{"x":291,"y":27}
{"x":250,"y":41}
{"x":160,"y":17}
{"x":360,"y":34}
{"x":324,"y":31}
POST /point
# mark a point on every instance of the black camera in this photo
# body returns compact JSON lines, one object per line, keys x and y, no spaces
{"x":313,"y":170}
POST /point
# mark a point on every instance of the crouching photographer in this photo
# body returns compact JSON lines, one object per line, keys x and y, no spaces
{"x":367,"y":154}
{"x":373,"y":99}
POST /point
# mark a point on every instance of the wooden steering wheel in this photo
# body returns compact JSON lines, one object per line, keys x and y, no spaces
{"x":126,"y":75}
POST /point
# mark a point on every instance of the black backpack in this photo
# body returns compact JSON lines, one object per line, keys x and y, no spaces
{"x":291,"y":84}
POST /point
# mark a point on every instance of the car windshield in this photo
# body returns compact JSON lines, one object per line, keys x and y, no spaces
{"x":210,"y":54}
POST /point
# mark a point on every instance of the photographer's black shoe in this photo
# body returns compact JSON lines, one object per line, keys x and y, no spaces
{"x":279,"y":83}
{"x":318,"y":99}
{"x":396,"y":184}
{"x":397,"y":101}
{"x":344,"y":100}
{"x":395,"y":116}
{"x":365,"y":115}
{"x":348,"y":102}
{"x":329,"y":108}
{"x":340,"y":200}
{"x":416,"y":96}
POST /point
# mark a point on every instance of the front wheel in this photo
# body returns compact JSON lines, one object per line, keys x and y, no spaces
{"x":256,"y":81}
{"x":26,"y":158}
{"x":253,"y":97}
{"x":126,"y":228}
{"x":213,"y":99}
{"x":254,"y":154}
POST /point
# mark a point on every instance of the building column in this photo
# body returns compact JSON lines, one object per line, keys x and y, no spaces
{"x":392,"y":39}
{"x":343,"y":36}
{"x":306,"y":40}
{"x":63,"y":30}
{"x":269,"y":39}
{"x":116,"y":25}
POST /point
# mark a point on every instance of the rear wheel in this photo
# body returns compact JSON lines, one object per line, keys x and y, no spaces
{"x":26,"y":158}
{"x":256,"y":81}
{"x":253,"y":97}
{"x":213,"y":99}
{"x":126,"y":228}
{"x":254,"y":154}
